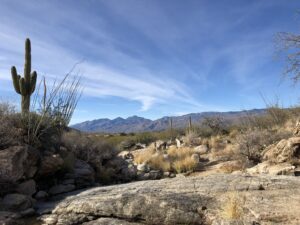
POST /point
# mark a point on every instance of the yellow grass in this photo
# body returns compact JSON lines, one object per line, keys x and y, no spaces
{"x":184,"y":164}
{"x":233,"y":208}
{"x":179,"y":159}
{"x":216,"y":142}
{"x":154,"y":160}
{"x":158,"y":162}
{"x":143,"y":156}
{"x":180,"y":153}
{"x":232,"y":166}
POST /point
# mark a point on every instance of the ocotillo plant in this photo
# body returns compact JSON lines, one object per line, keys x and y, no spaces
{"x":25,"y":86}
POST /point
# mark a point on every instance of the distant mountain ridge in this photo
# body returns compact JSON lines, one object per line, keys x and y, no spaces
{"x":140,"y":124}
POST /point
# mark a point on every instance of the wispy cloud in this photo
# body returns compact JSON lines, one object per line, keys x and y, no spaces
{"x":50,"y":59}
{"x":169,"y":56}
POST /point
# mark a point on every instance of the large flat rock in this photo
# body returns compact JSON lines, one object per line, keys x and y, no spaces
{"x":185,"y":200}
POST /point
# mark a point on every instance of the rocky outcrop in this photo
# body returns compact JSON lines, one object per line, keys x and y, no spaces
{"x":17,"y":202}
{"x":50,"y":165}
{"x":273,"y":169}
{"x":61,"y":188}
{"x":286,"y":150}
{"x":279,"y":159}
{"x":12,"y":163}
{"x":27,"y":187}
{"x":185,"y":200}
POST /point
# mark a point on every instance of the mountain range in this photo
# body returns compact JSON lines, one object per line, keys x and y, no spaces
{"x":140,"y":124}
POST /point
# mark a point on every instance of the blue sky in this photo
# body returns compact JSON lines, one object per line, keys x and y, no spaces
{"x":153,"y":58}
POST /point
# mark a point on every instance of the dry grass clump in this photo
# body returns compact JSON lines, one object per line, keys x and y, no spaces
{"x":217,"y":142}
{"x":184,"y":165}
{"x":181,"y":159}
{"x":191,"y":138}
{"x":155,"y":160}
{"x":176,"y":159}
{"x":179,"y":153}
{"x":233,"y":208}
{"x":143,"y":156}
{"x":232,"y":166}
{"x":158,"y":162}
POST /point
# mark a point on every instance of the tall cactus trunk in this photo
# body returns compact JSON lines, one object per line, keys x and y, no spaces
{"x":171,"y":128}
{"x":190,"y":127}
{"x":25,"y":104}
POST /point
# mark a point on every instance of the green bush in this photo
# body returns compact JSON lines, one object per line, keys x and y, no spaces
{"x":88,"y":149}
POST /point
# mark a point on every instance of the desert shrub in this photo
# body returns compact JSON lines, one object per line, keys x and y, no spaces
{"x":10,"y":123}
{"x":145,"y":137}
{"x":228,"y":152}
{"x":127,"y":144}
{"x":191,"y":138}
{"x":274,"y":116}
{"x":216,"y":125}
{"x":52,"y":110}
{"x":87,"y":149}
{"x":253,"y":142}
{"x":106,"y":175}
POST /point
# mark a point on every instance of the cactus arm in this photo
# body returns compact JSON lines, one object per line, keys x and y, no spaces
{"x":22,"y":85}
{"x":33,"y":82}
{"x":15,"y":79}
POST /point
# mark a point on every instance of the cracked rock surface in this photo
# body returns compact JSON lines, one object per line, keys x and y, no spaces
{"x":184,"y":200}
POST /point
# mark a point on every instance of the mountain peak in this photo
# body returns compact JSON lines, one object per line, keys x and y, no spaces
{"x":140,"y":124}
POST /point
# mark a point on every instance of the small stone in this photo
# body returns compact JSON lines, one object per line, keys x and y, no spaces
{"x":17,"y":202}
{"x":28,"y":212}
{"x":49,"y":220}
{"x":144,"y":167}
{"x":196,"y":157}
{"x":59,"y":189}
{"x":155,"y":174}
{"x":178,"y":143}
{"x":41,"y":195}
{"x":172,"y":175}
{"x":166,"y":174}
{"x":27,"y":187}
{"x":68,"y":181}
{"x":201,"y":149}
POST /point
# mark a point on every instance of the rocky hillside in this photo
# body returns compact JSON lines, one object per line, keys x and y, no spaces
{"x":139,"y":124}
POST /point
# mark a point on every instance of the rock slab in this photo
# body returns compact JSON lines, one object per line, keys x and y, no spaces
{"x":264,"y":199}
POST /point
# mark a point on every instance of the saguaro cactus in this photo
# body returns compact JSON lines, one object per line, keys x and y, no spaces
{"x":171,"y":127}
{"x":190,"y":127}
{"x":25,"y":86}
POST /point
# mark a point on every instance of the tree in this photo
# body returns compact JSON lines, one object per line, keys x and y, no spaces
{"x":289,"y":44}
